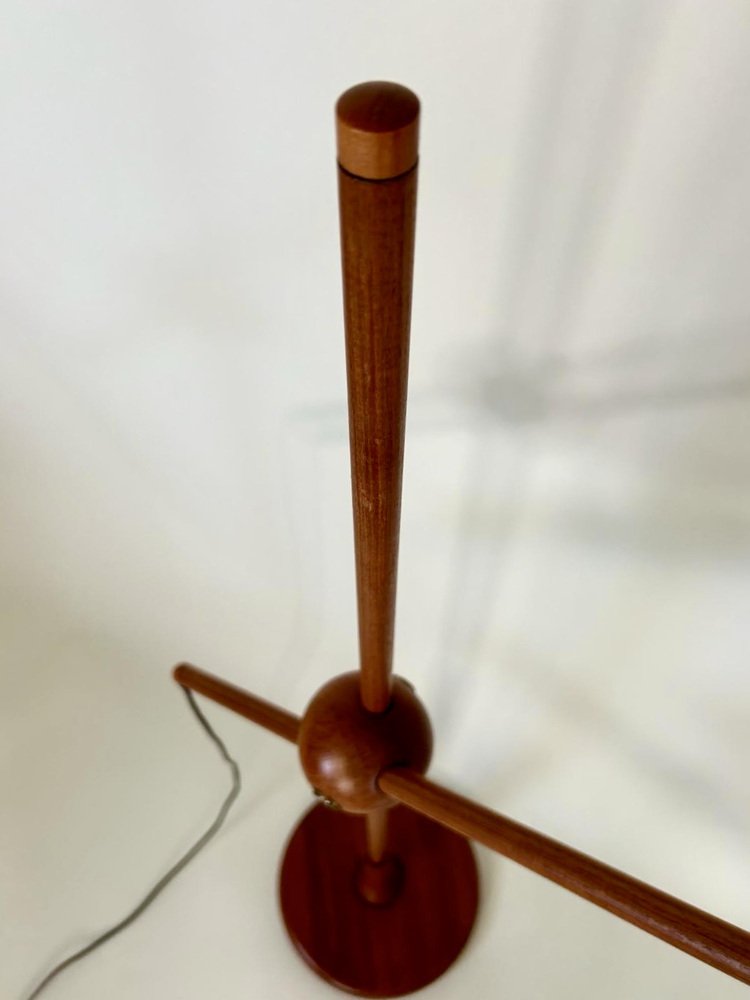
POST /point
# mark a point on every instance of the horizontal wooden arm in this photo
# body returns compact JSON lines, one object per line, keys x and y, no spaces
{"x":278,"y":720}
{"x":706,"y":937}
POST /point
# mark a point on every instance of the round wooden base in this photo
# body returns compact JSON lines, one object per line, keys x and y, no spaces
{"x":377,"y":950}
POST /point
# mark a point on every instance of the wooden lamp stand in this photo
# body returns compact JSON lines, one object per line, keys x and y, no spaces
{"x":382,"y":907}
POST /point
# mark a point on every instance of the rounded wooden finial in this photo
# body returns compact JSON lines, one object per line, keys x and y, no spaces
{"x":377,"y":130}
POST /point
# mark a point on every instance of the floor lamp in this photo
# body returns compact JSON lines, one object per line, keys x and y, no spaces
{"x":378,"y":883}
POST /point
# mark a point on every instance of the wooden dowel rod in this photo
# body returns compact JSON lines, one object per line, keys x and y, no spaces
{"x":380,"y":875}
{"x":377,"y":834}
{"x":694,"y":931}
{"x":377,"y":133}
{"x":271,"y":717}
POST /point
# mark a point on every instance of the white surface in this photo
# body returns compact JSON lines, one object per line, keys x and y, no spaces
{"x":574,"y":587}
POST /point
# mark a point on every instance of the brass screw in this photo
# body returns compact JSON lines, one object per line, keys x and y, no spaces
{"x":327,"y":801}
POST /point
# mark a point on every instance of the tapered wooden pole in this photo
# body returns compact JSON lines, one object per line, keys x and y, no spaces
{"x":377,"y":136}
{"x":694,"y":931}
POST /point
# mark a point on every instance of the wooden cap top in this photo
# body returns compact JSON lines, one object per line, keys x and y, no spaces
{"x":377,"y":130}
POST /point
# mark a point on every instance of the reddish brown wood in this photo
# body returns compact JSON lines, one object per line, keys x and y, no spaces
{"x":343,"y":747}
{"x":379,"y":877}
{"x":377,"y":950}
{"x":278,"y":720}
{"x":380,"y":882}
{"x":377,"y":246}
{"x":377,"y":130}
{"x":377,"y":834}
{"x":700,"y":934}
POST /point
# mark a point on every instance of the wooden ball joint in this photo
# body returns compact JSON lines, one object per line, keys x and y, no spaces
{"x":343,"y":747}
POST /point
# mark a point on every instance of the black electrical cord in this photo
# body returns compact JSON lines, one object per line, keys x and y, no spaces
{"x":173,"y":871}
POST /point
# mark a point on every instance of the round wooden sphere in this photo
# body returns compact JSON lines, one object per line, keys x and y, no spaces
{"x":343,"y":747}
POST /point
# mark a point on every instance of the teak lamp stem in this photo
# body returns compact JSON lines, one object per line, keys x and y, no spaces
{"x":377,"y":135}
{"x":401,"y":889}
{"x":377,"y":147}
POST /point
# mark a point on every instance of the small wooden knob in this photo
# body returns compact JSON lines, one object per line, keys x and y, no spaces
{"x":377,"y":130}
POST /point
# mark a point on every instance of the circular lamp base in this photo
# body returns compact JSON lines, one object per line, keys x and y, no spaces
{"x":378,"y":950}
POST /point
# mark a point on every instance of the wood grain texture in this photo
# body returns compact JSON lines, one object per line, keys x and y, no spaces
{"x":377,"y":950}
{"x":377,"y":130}
{"x":377,"y":252}
{"x":708,"y":938}
{"x":265,"y":714}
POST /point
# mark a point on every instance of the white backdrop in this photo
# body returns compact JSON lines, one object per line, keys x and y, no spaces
{"x":574,"y":588}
